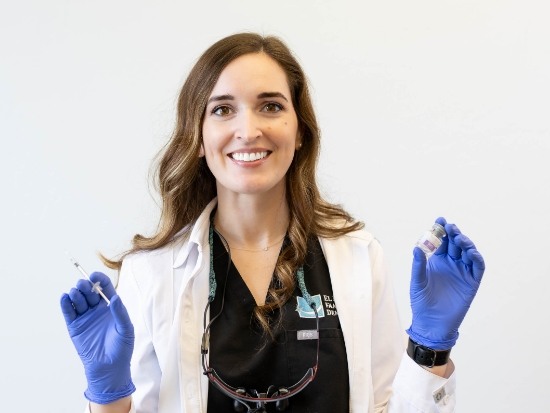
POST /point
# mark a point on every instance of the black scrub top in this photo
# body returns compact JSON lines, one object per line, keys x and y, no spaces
{"x":244,"y":358}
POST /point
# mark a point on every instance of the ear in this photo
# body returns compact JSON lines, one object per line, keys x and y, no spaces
{"x":201,"y":151}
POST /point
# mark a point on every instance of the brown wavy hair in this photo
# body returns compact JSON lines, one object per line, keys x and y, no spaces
{"x":186,"y":184}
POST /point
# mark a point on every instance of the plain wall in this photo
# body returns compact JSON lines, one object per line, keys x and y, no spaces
{"x":427,"y":108}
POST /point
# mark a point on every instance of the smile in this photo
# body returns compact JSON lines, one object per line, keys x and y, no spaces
{"x":248,"y":157}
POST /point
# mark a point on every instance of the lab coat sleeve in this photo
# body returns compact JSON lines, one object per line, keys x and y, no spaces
{"x":146,"y":372}
{"x":145,"y":368}
{"x":399,"y":384}
{"x":417,"y":390}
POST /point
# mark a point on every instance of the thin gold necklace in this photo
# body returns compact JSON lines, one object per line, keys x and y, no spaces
{"x":266,"y":248}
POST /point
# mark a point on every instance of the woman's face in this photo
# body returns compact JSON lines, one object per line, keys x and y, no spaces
{"x":250,"y":127}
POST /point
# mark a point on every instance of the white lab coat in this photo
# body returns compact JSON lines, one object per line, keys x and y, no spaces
{"x":166,"y":290}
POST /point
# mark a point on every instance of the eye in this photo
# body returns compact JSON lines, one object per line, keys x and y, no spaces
{"x":221,"y":110}
{"x":272,"y":107}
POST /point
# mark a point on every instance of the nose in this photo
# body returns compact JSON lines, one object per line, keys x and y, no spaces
{"x":248,"y":126}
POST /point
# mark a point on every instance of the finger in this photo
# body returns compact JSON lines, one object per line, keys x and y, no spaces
{"x":465,"y":259}
{"x":69,"y":313}
{"x":105,"y":282}
{"x":85,"y":287}
{"x":454,"y":250}
{"x":478,"y":264}
{"x":465,"y":244}
{"x":79,"y":301}
{"x":445,"y":240}
{"x":418,"y":271}
{"x":452,"y":230}
{"x":122,"y":319}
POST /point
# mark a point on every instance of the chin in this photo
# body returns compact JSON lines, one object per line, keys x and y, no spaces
{"x":255,"y":188}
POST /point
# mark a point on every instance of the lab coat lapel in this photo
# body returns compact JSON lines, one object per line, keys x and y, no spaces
{"x":340,"y":264}
{"x":192,"y":263}
{"x":350,"y":272}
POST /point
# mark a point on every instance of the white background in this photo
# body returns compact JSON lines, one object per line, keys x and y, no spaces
{"x":427,"y":108}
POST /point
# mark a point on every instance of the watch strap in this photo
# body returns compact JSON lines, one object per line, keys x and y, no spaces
{"x":426,"y":356}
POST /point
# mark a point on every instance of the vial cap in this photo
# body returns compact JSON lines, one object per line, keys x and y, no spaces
{"x":438,"y":230}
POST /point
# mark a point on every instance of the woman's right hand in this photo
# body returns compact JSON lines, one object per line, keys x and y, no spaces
{"x":103,"y":337}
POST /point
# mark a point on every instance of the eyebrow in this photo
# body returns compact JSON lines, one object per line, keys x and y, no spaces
{"x":221,"y":97}
{"x":262,"y":95}
{"x":272,"y":95}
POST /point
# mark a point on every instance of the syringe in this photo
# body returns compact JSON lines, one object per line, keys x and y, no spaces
{"x":96,"y":287}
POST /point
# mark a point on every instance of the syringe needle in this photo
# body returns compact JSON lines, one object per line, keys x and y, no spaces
{"x":95,"y":286}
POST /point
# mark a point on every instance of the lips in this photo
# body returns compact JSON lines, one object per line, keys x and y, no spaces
{"x":248,"y":156}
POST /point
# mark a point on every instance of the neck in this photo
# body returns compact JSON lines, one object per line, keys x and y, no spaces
{"x":252,"y":222}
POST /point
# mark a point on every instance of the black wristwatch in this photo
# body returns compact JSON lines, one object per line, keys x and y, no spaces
{"x":426,"y":356}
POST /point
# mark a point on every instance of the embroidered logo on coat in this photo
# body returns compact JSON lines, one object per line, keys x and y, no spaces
{"x":305,"y":311}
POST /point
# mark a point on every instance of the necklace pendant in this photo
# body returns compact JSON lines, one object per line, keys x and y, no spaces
{"x":266,"y":248}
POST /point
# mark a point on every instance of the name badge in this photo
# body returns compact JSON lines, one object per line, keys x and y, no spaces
{"x":308,"y":335}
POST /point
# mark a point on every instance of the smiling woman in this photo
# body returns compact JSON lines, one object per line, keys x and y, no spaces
{"x":250,"y":129}
{"x":285,"y":281}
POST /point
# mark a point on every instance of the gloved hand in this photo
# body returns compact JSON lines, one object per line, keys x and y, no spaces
{"x":443,"y":288}
{"x":103,"y":337}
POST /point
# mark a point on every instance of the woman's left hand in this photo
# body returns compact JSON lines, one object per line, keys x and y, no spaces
{"x":442,"y":289}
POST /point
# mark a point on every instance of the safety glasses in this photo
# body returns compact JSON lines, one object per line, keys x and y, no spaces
{"x":240,"y":395}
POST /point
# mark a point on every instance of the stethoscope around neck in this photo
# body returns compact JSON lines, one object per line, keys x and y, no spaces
{"x":251,"y":401}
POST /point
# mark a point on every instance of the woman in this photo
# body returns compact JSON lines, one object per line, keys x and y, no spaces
{"x":256,"y":294}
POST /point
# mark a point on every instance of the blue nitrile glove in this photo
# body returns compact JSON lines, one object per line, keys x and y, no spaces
{"x":103,"y":337}
{"x":443,"y":288}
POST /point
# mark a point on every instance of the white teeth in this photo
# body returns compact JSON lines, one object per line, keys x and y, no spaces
{"x":248,"y":157}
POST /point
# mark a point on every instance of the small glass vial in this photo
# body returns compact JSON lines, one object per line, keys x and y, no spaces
{"x":431,"y":240}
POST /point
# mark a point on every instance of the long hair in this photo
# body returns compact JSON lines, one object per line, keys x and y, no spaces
{"x":186,"y":184}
